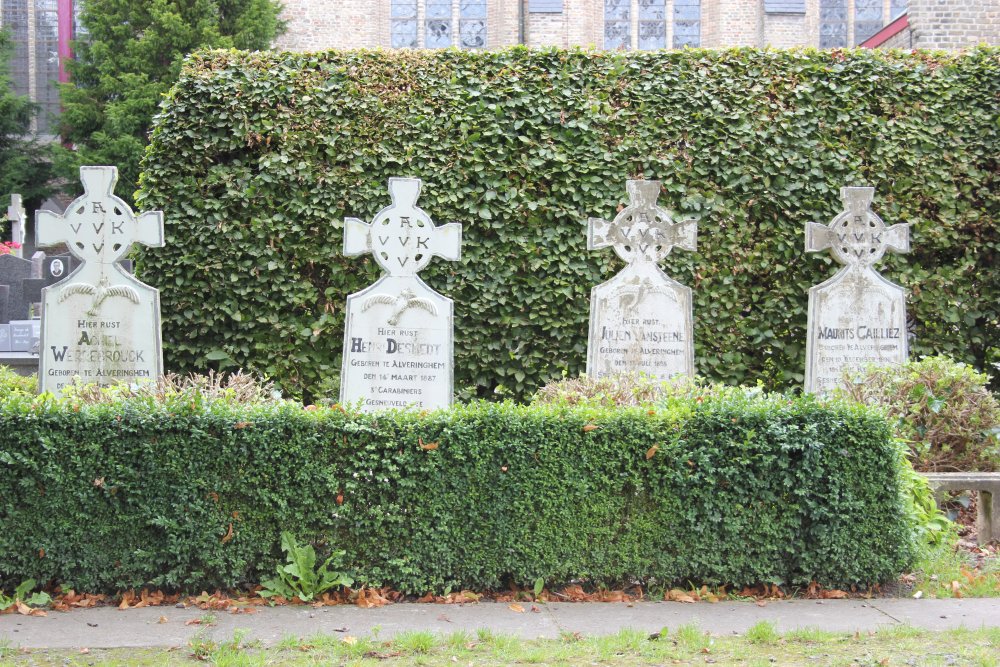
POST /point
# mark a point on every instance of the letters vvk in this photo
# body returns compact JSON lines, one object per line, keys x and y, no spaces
{"x":99,"y":323}
{"x":398,"y":337}
{"x":857,"y":317}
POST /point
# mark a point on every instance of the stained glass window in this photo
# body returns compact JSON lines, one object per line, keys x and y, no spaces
{"x":652,"y":24}
{"x":15,"y":19}
{"x":404,"y":24}
{"x":617,"y":32}
{"x":867,"y":19}
{"x":472,"y":24}
{"x":832,"y":24}
{"x":46,"y":63}
{"x":897,"y":8}
{"x":687,"y":23}
{"x":437,"y":25}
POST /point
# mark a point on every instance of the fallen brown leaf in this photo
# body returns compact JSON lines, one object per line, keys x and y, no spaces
{"x":590,"y":427}
{"x":229,"y":534}
{"x":652,"y":451}
{"x":25,"y":610}
{"x":516,"y":607}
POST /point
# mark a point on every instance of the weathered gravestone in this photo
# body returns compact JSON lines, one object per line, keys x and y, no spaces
{"x":15,"y":213}
{"x":857,"y":317}
{"x":641,"y":320}
{"x":398,"y":337}
{"x":99,"y":322}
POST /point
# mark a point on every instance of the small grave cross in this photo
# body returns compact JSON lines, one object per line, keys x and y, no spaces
{"x":15,"y":213}
{"x":642,"y":231}
{"x":857,"y":237}
{"x":402,"y":237}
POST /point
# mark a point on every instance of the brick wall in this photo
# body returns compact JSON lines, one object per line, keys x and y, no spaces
{"x":953,"y":24}
{"x":314,"y":25}
{"x":732,"y":23}
{"x":783,"y":31}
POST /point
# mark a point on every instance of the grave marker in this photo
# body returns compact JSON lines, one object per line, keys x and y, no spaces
{"x":15,"y":213}
{"x":399,"y":333}
{"x":641,"y":319}
{"x":857,"y":317}
{"x":99,"y":322}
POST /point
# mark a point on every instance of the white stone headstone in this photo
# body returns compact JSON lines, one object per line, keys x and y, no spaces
{"x":15,"y":213}
{"x":641,"y":320}
{"x":99,"y":322}
{"x":857,"y":317}
{"x":398,"y":338}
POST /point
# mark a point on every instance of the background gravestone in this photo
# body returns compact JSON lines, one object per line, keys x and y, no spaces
{"x":399,"y":333}
{"x":857,"y":317}
{"x":15,"y":213}
{"x":641,"y":319}
{"x":99,"y":322}
{"x":4,"y":319}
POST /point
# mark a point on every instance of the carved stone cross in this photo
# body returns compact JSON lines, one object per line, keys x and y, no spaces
{"x":402,"y":237}
{"x":857,"y":237}
{"x":641,"y":320}
{"x":15,"y":213}
{"x":99,"y":323}
{"x":642,"y":231}
{"x":398,"y":336}
{"x":857,"y":317}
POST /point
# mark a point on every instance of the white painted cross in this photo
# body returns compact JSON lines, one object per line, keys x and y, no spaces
{"x":99,"y":323}
{"x":402,"y":237}
{"x":15,"y":213}
{"x":641,"y":320}
{"x":398,"y":335}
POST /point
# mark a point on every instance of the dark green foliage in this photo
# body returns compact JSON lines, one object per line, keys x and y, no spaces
{"x":258,"y":158}
{"x":25,"y":164}
{"x":128,"y":60}
{"x":737,"y":488}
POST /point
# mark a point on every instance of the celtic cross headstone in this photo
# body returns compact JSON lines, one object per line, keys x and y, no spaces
{"x":15,"y":213}
{"x":857,"y":317}
{"x":641,"y":319}
{"x":398,"y":338}
{"x":99,"y":323}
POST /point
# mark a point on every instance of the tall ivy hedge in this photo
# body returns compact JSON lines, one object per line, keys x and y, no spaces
{"x":258,"y":157}
{"x":192,"y":494}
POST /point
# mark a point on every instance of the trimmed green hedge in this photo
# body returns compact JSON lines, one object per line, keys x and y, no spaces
{"x":739,"y":489}
{"x":257,"y":158}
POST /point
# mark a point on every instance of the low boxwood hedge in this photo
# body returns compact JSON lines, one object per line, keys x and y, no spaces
{"x":188,"y":493}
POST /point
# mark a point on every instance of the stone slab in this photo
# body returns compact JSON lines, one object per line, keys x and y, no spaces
{"x":14,"y":271}
{"x":24,"y":335}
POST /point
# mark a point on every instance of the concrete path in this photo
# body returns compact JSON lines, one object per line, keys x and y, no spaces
{"x":167,"y":626}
